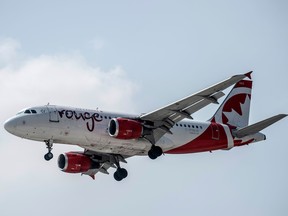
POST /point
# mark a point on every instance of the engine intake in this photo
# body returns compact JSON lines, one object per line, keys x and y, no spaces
{"x":122,"y":128}
{"x":75,"y":162}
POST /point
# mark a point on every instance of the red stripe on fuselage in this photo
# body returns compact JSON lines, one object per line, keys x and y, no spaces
{"x":207,"y":141}
{"x":240,"y":143}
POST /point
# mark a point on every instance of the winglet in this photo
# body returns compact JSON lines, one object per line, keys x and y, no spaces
{"x":249,"y":74}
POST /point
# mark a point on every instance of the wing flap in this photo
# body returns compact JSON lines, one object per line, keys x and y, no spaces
{"x":186,"y":112}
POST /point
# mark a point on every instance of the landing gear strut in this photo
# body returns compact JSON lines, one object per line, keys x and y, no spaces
{"x":49,"y":155}
{"x":155,"y":152}
{"x":120,"y":173}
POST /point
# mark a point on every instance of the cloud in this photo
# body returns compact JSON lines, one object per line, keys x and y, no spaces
{"x":8,"y":50}
{"x":65,"y":79}
{"x":62,"y":79}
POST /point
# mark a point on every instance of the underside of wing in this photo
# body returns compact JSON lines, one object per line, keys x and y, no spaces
{"x":106,"y":162}
{"x":91,"y":162}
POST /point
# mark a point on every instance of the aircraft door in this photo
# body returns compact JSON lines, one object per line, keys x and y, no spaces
{"x":215,"y":131}
{"x":53,"y":114}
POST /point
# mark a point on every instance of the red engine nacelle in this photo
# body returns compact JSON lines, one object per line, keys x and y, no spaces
{"x":122,"y":128}
{"x":75,"y":162}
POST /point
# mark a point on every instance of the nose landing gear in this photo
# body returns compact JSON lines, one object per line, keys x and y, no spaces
{"x":49,"y":155}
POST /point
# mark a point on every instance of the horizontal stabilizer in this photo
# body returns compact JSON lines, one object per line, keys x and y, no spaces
{"x":255,"y":128}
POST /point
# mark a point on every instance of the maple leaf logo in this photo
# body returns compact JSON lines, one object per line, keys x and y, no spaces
{"x":236,"y":111}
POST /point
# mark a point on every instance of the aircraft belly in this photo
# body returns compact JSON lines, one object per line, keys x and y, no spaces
{"x":115,"y":146}
{"x":102,"y":142}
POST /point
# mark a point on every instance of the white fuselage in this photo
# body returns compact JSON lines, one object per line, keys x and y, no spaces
{"x":88,"y":129}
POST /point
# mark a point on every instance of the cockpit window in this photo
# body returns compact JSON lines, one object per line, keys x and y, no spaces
{"x":30,"y":111}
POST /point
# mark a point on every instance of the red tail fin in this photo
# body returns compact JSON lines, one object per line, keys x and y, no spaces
{"x":235,"y":109}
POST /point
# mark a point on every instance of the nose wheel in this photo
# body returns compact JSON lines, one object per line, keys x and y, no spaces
{"x":49,"y":155}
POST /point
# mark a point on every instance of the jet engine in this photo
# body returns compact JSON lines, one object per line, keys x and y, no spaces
{"x":76,"y":162}
{"x":122,"y":128}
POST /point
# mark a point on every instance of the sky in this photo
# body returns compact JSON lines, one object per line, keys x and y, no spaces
{"x":134,"y":57}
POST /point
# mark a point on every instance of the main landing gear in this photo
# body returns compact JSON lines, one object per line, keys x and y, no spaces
{"x":155,"y":152}
{"x":49,"y":155}
{"x":120,"y":173}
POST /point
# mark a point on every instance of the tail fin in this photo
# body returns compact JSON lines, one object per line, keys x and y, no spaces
{"x":235,"y":109}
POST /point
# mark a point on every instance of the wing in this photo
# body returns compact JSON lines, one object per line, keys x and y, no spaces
{"x":163,"y":119}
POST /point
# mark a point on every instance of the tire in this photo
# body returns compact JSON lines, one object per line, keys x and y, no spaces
{"x":122,"y":173}
{"x":152,"y":154}
{"x":49,"y":155}
{"x":117,"y":177}
{"x":158,"y":151}
{"x":46,"y":157}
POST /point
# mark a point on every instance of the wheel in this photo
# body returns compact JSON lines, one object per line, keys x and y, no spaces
{"x":116,"y":176}
{"x":48,"y":156}
{"x":158,"y":151}
{"x":152,"y":154}
{"x":122,"y":173}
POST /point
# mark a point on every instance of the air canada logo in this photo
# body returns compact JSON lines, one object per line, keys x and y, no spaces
{"x":236,"y":110}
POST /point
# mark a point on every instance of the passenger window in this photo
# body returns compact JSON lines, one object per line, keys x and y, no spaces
{"x":180,"y":125}
{"x":196,"y":126}
{"x":192,"y":126}
{"x":105,"y":117}
{"x":177,"y":125}
{"x":200,"y":127}
{"x":109,"y":117}
{"x":189,"y":126}
{"x":184,"y":125}
{"x":27,"y":111}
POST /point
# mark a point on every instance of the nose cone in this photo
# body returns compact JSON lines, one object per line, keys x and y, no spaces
{"x":10,"y":125}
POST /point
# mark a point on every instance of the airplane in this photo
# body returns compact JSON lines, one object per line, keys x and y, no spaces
{"x":110,"y":138}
